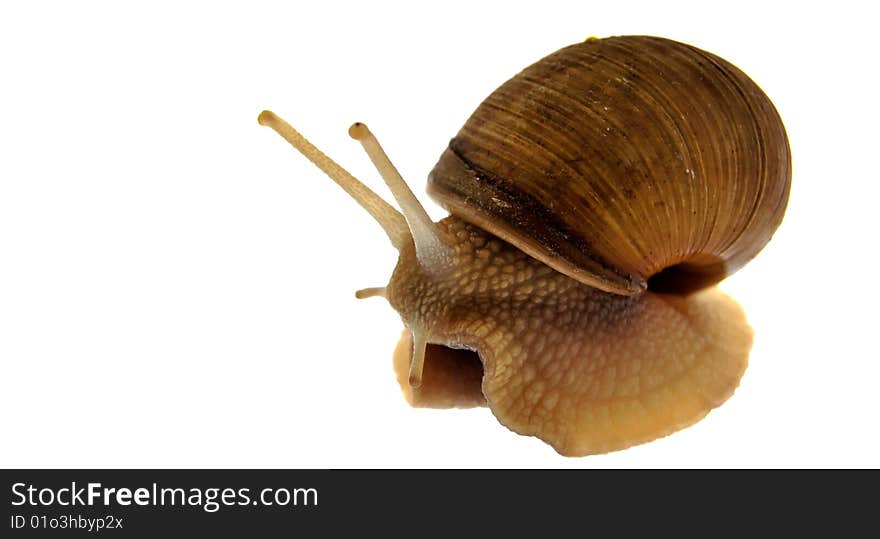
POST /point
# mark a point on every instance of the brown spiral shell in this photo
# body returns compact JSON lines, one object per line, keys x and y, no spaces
{"x":615,"y":159}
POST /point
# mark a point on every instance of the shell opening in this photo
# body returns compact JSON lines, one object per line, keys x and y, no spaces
{"x":689,"y":276}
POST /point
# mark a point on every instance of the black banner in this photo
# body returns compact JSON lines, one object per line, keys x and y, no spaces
{"x":147,"y":503}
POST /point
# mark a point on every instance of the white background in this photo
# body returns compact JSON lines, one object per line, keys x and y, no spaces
{"x":176,"y":283}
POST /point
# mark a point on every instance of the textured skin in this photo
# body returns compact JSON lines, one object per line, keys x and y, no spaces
{"x":616,"y":158}
{"x":584,"y":370}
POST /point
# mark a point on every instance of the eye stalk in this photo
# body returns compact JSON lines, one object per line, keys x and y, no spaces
{"x":414,"y":224}
{"x":430,"y":250}
{"x":388,"y":218}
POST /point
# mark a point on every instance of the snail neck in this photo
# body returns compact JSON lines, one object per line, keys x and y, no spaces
{"x":483,"y":285}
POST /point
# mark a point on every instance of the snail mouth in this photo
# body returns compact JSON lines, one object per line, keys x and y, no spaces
{"x":451,"y":377}
{"x":696,"y":273}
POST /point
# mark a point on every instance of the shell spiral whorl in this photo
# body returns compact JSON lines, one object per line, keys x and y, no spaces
{"x":625,"y":159}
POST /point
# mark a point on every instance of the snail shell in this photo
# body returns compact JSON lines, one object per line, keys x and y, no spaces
{"x":625,"y":159}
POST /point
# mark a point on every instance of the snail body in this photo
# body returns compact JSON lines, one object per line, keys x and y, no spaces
{"x":595,"y":199}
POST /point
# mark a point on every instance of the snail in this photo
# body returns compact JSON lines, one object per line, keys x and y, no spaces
{"x":596,"y":199}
